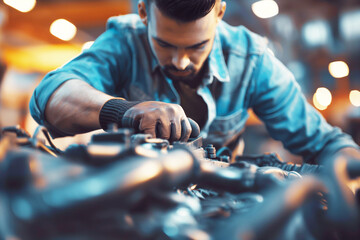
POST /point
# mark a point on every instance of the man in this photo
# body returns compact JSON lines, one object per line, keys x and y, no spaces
{"x":178,"y":59}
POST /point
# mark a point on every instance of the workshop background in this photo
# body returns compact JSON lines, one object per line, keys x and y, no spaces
{"x":318,"y":40}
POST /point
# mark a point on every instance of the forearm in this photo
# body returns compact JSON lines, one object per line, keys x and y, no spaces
{"x":75,"y":106}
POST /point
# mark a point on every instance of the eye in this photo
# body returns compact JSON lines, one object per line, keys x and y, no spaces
{"x":198,"y":47}
{"x":163,"y":44}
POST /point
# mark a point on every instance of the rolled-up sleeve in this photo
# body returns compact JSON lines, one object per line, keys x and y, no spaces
{"x":103,"y":66}
{"x":288,"y":117}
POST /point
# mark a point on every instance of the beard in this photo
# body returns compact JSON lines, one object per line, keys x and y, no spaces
{"x":186,"y":75}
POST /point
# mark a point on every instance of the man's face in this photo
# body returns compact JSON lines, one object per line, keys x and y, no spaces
{"x":181,"y":48}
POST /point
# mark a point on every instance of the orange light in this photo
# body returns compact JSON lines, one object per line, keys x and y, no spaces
{"x":42,"y":58}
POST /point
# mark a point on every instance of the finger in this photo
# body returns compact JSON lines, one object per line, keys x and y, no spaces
{"x":163,"y":129}
{"x":127,"y":119}
{"x":195,"y":129}
{"x":131,"y":121}
{"x":128,"y":122}
{"x":148,"y":126}
{"x":175,"y":128}
{"x":185,"y":130}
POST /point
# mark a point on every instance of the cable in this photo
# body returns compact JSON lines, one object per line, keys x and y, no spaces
{"x":47,"y":136}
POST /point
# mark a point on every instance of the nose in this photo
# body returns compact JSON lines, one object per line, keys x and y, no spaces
{"x":180,"y":60}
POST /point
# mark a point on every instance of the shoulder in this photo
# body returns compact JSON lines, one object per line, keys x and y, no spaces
{"x":129,"y":22}
{"x":240,"y":40}
{"x":125,"y":29}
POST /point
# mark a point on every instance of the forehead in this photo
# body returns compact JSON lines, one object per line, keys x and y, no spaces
{"x":181,"y":33}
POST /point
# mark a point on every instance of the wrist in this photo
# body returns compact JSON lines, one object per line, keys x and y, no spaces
{"x":113,"y":111}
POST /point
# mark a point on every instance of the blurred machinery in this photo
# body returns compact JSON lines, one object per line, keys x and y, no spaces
{"x":128,"y":186}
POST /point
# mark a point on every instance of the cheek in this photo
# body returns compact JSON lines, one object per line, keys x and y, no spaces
{"x":198,"y":58}
{"x":163,"y":55}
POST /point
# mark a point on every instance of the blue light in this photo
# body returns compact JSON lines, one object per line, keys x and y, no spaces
{"x":171,"y":229}
{"x":316,"y":33}
{"x":22,"y":208}
{"x":349,"y":25}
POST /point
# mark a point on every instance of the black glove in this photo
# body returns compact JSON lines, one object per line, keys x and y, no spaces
{"x":113,"y":111}
{"x":159,"y":119}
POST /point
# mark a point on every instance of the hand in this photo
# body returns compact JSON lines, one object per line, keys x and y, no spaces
{"x":160,"y":120}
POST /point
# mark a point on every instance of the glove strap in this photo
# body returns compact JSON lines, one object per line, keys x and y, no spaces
{"x":113,"y":111}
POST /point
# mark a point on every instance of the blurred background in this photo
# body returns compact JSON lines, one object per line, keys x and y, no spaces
{"x":318,"y":40}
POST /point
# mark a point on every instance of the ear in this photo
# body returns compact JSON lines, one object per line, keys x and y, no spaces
{"x":142,"y":12}
{"x":221,"y":10}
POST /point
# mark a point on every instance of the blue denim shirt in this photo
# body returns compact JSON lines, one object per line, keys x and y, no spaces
{"x":242,"y":74}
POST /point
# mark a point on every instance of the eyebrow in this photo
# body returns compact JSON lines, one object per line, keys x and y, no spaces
{"x":171,"y":45}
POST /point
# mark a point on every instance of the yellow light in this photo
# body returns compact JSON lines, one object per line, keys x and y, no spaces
{"x":317,"y":104}
{"x":63,"y":29}
{"x":354,"y":97}
{"x":21,"y":5}
{"x":193,"y":187}
{"x":322,"y":98}
{"x":87,"y":45}
{"x":265,"y":8}
{"x":40,"y":58}
{"x":338,"y":69}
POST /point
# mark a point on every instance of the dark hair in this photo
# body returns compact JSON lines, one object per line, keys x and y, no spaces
{"x":183,"y":10}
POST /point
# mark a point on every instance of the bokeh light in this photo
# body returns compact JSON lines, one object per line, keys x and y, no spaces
{"x":265,"y":8}
{"x":354,"y":97}
{"x":63,"y":29}
{"x":316,"y":33}
{"x":21,"y":5}
{"x":322,"y":98}
{"x":338,"y":69}
{"x":87,"y":45}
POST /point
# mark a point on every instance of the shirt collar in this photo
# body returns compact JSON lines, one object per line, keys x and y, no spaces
{"x":217,"y":65}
